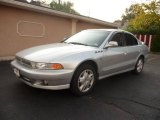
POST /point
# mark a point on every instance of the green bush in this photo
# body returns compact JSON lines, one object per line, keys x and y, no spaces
{"x":155,"y":47}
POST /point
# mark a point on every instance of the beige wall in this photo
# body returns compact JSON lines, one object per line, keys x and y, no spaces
{"x":20,"y":29}
{"x":55,"y":29}
{"x":85,"y":25}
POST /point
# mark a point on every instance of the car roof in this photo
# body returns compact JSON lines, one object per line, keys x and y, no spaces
{"x":111,"y":30}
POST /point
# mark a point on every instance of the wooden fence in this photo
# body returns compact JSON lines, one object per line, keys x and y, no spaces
{"x":147,"y":39}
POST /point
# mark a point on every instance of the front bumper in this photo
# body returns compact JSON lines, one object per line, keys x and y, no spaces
{"x":44,"y":79}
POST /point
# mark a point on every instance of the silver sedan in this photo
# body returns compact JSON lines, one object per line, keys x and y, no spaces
{"x":79,"y":61}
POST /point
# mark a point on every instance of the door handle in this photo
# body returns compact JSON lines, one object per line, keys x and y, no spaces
{"x":125,"y":53}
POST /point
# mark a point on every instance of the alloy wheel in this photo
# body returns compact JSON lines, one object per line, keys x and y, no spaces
{"x":85,"y":80}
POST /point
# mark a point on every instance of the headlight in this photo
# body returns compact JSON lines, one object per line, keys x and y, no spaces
{"x":41,"y":65}
{"x":53,"y":66}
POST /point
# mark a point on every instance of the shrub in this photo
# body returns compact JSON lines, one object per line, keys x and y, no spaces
{"x":155,"y":47}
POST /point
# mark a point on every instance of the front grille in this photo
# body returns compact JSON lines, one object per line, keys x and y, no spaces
{"x":24,"y":62}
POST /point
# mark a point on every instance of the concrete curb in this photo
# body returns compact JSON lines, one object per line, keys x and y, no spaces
{"x":7,"y":58}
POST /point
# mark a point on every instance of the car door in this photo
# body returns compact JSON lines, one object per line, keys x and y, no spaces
{"x":114,"y":58}
{"x":132,"y":50}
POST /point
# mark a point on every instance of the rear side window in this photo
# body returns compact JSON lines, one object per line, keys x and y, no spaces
{"x":130,"y":40}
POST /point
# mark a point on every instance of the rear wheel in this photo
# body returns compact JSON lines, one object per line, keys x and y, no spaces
{"x":139,"y":65}
{"x":83,"y":80}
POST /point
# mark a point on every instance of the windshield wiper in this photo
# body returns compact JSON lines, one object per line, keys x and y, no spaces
{"x":77,"y":43}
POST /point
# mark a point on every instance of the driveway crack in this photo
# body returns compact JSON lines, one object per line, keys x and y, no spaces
{"x":97,"y":101}
{"x":153,"y":107}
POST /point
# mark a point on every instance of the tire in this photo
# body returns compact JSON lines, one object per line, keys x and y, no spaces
{"x":139,"y":65}
{"x":83,"y":80}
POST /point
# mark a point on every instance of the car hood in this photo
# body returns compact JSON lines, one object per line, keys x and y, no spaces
{"x":52,"y":52}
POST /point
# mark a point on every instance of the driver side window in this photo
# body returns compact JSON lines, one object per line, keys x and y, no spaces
{"x":118,"y":37}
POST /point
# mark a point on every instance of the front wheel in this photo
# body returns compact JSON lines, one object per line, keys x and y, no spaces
{"x":139,"y":65}
{"x":83,"y":80}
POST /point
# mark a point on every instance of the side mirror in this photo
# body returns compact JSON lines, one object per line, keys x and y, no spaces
{"x":63,"y":39}
{"x":111,"y":44}
{"x":143,"y":43}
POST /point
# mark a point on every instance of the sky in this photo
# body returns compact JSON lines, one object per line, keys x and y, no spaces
{"x":106,"y":10}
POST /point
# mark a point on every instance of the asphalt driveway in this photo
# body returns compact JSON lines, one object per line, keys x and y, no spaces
{"x":121,"y":97}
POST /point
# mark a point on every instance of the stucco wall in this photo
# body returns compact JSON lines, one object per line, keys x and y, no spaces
{"x":85,"y":25}
{"x":29,"y":33}
{"x":20,"y":29}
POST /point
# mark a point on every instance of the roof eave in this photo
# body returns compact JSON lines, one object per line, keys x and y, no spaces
{"x":49,"y":11}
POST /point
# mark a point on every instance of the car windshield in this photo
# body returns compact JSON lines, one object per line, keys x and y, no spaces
{"x":89,"y":38}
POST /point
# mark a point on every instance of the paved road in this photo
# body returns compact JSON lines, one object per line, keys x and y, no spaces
{"x":122,"y":97}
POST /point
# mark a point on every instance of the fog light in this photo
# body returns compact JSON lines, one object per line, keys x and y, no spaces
{"x":41,"y":82}
{"x":38,"y":82}
{"x":45,"y":82}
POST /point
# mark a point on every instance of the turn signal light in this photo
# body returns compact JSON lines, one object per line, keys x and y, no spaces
{"x":56,"y":66}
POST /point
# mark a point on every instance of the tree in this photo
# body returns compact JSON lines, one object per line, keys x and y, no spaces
{"x":145,"y":18}
{"x":145,"y":24}
{"x":153,"y":7}
{"x":35,"y":2}
{"x":131,"y":12}
{"x":63,"y":6}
